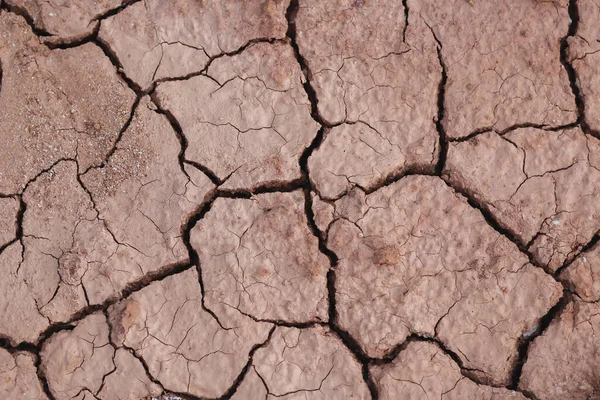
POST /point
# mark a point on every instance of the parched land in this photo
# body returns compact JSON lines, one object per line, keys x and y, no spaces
{"x":299,"y":199}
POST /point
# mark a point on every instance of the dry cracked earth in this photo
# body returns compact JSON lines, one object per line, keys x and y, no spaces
{"x":299,"y":199}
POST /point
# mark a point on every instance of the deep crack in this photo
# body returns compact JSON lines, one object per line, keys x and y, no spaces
{"x":345,"y":337}
{"x":571,"y":73}
{"x":525,"y":342}
{"x":439,"y":120}
{"x":183,"y":141}
{"x":303,"y":183}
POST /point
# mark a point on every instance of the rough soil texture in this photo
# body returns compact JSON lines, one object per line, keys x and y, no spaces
{"x":376,"y":77}
{"x":414,"y":258}
{"x":503,"y":66}
{"x":563,"y":362}
{"x":540,"y":185}
{"x":298,"y":199}
{"x":423,"y":371}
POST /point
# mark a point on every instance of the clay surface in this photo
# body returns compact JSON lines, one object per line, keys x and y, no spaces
{"x":563,"y":362}
{"x":503,"y":66}
{"x":167,"y":326}
{"x":299,"y":199}
{"x":583,"y":275}
{"x":423,"y":371}
{"x":584,"y":48}
{"x":416,"y":259}
{"x":18,"y":377}
{"x":309,"y":364}
{"x":86,"y":237}
{"x":9,"y":207}
{"x":156,"y":40}
{"x":260,"y":257}
{"x":368,"y":57}
{"x":248,"y":120}
{"x":66,"y":20}
{"x":55,"y":104}
{"x":541,"y":185}
{"x":83,"y":362}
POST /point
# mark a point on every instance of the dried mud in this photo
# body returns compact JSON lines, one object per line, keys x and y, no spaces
{"x":353,"y":199}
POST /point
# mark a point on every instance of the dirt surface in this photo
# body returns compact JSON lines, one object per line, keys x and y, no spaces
{"x":297,"y":199}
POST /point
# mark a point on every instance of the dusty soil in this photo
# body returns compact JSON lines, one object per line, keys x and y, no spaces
{"x":299,"y":199}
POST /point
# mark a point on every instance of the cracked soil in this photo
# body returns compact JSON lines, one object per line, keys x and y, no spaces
{"x":299,"y":199}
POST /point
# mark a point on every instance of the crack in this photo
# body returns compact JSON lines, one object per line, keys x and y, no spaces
{"x":1,"y":74}
{"x":126,"y":126}
{"x":70,"y":43}
{"x":348,"y":341}
{"x":467,"y":373}
{"x":183,"y":141}
{"x":196,"y":216}
{"x":205,"y":170}
{"x":303,"y":183}
{"x":290,"y":15}
{"x":55,"y":42}
{"x":19,"y":227}
{"x":281,"y":323}
{"x":143,"y":363}
{"x":525,"y":342}
{"x":226,"y":396}
{"x":496,"y":225}
{"x":406,"y":11}
{"x":511,"y":128}
{"x":22,"y":12}
{"x":112,"y":56}
{"x":572,"y":74}
{"x":238,"y":381}
{"x":413,"y":170}
{"x":443,"y":139}
{"x":42,"y":378}
{"x":23,"y":207}
{"x":592,"y":243}
{"x":266,"y":187}
{"x":240,"y":50}
{"x":115,"y":348}
{"x":131,"y":288}
{"x":35,"y":351}
{"x":204,"y":70}
{"x":114,"y":11}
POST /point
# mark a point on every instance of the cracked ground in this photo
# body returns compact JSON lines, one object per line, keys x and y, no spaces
{"x":299,"y":199}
